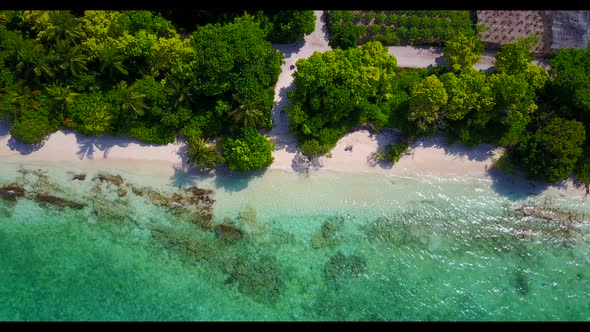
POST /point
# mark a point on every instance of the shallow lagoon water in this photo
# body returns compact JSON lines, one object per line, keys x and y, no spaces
{"x":328,"y":246}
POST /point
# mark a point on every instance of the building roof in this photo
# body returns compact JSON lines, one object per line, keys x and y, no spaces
{"x":571,"y":29}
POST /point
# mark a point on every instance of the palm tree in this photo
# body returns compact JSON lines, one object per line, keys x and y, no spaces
{"x":182,"y":93}
{"x":62,"y":95}
{"x":98,"y":120}
{"x":130,"y":99}
{"x":111,"y":61}
{"x":71,"y":59}
{"x":29,"y":57}
{"x":20,"y":97}
{"x":64,"y":27}
{"x":202,"y":154}
{"x":43,"y":68}
{"x":3,"y":19}
{"x":248,"y":114}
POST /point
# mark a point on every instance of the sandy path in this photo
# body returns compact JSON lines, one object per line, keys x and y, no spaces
{"x":424,"y":57}
{"x":416,"y":57}
{"x":287,"y":145}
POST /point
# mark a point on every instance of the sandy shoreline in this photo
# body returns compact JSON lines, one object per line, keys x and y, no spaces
{"x":428,"y":156}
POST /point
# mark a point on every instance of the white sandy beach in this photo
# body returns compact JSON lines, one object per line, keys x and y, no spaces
{"x":428,"y":157}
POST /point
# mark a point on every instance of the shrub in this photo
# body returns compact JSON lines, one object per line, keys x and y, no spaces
{"x":30,"y":130}
{"x":249,"y":152}
{"x":551,"y":153}
{"x":505,"y":165}
{"x":152,"y":134}
{"x":393,"y":152}
{"x":202,"y":154}
{"x":312,"y":148}
{"x":345,"y":37}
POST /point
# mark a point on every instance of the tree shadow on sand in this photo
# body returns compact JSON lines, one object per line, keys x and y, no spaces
{"x":91,"y":146}
{"x":290,"y":49}
{"x":386,"y":137}
{"x":280,"y":133}
{"x":324,"y":20}
{"x":441,"y":61}
{"x":481,"y":152}
{"x":515,"y":187}
{"x":4,"y":128}
{"x":23,"y":148}
{"x":234,"y":182}
{"x":185,"y":174}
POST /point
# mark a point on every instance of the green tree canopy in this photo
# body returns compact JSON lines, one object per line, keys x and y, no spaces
{"x":97,"y":120}
{"x":233,"y":64}
{"x":551,"y":153}
{"x":467,"y":92}
{"x":582,"y":169}
{"x":463,"y":51}
{"x":427,"y":100}
{"x":513,"y":59}
{"x":249,"y":152}
{"x":202,"y":154}
{"x":286,"y":26}
{"x":570,"y":83}
{"x":337,"y":90}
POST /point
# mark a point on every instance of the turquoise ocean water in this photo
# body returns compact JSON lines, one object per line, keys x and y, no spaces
{"x":328,"y":246}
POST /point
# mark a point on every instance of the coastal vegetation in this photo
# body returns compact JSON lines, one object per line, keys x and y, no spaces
{"x":131,"y":73}
{"x":539,"y":118}
{"x":393,"y":152}
{"x":337,"y":90}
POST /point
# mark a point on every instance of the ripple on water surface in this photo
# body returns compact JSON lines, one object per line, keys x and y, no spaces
{"x":281,"y":246}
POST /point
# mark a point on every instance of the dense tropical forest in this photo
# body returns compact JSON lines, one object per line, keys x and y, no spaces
{"x":209,"y":77}
{"x":132,"y":73}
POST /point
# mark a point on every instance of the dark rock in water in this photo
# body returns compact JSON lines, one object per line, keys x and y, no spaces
{"x":547,"y":213}
{"x":327,"y":236}
{"x":228,"y":233}
{"x":106,"y":211}
{"x":206,"y":219}
{"x":336,"y":266}
{"x":138,"y":191}
{"x":58,"y":201}
{"x":176,"y":197}
{"x":261,"y":279}
{"x":80,"y":177}
{"x":183,"y":243}
{"x":116,"y":180}
{"x":521,"y":283}
{"x":356,"y":264}
{"x":121,"y":192}
{"x":11,"y":192}
{"x":328,"y":228}
{"x":38,"y":172}
{"x":196,"y":191}
{"x":157,"y":198}
{"x":341,"y":266}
